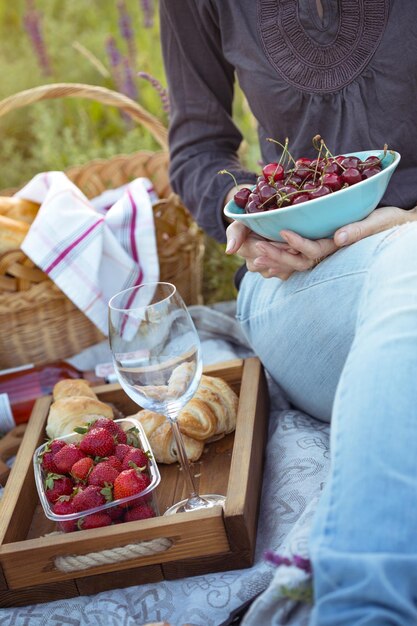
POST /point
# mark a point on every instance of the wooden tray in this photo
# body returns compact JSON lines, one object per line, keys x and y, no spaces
{"x":199,"y":542}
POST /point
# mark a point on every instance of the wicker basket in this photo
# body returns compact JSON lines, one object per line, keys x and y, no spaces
{"x":38,"y":322}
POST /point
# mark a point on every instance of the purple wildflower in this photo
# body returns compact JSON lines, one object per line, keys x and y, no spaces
{"x":126,"y":29}
{"x":163,"y":93}
{"x":296,"y":560}
{"x":129,"y":87}
{"x":301,"y":563}
{"x":115,"y":59}
{"x":148,"y":10}
{"x":276,"y":559}
{"x":32,"y":22}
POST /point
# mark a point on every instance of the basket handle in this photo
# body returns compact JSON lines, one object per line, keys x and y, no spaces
{"x":92,"y":92}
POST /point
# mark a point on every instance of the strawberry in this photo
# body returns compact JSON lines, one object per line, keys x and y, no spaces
{"x":143,"y":511}
{"x":56,"y":486}
{"x":135,"y":457}
{"x":121,"y":450}
{"x":114,"y":461}
{"x":64,"y":506}
{"x":103,"y":473}
{"x":56,"y":445}
{"x":114,"y":429}
{"x":129,"y":482}
{"x":97,"y":442}
{"x":65,"y":458}
{"x":82,"y":468}
{"x":48,"y":453}
{"x":115,"y":512}
{"x":95,"y":520}
{"x":88,"y":498}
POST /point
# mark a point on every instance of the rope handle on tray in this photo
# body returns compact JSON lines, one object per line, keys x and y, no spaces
{"x":92,"y":92}
{"x":74,"y":563}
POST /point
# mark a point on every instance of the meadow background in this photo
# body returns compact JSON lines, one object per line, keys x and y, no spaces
{"x":111,"y":43}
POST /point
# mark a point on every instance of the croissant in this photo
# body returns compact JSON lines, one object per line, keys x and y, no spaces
{"x":72,"y":387}
{"x":212,"y":411}
{"x":210,"y":414}
{"x":161,"y":439}
{"x":69,"y":412}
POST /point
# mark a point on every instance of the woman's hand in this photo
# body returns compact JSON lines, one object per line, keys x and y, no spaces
{"x":298,"y":254}
{"x":379,"y":220}
{"x":272,"y":258}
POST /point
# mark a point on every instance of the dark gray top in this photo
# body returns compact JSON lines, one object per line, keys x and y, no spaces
{"x":350,"y":76}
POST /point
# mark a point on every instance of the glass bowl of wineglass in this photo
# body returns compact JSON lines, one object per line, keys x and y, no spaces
{"x":157,"y":358}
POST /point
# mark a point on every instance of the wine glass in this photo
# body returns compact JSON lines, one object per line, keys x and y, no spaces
{"x":157,"y":358}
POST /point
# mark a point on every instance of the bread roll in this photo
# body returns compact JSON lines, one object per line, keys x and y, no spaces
{"x":67,"y":413}
{"x":12,"y":233}
{"x":72,"y":387}
{"x":18,"y":208}
{"x":161,"y":439}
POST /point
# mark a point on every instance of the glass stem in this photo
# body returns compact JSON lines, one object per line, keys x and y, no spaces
{"x":189,"y":480}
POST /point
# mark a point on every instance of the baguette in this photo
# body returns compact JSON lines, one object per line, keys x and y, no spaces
{"x":18,"y":208}
{"x":12,"y":233}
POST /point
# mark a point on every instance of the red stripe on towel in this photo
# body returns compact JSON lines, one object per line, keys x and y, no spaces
{"x":64,"y":253}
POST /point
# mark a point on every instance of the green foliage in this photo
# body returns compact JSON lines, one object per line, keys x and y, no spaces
{"x":54,"y":135}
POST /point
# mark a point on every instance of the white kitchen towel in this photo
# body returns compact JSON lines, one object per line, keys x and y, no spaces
{"x":91,"y":251}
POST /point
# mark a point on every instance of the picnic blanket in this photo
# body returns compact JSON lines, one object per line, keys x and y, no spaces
{"x":296,"y":465}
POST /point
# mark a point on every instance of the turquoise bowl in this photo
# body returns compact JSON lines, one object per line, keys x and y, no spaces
{"x":320,"y":218}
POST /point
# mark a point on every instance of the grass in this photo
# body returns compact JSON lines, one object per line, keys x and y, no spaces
{"x":47,"y":41}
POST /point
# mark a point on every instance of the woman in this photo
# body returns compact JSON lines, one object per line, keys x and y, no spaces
{"x":334,"y":321}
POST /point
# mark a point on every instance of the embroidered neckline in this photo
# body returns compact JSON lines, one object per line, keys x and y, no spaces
{"x":312,"y":67}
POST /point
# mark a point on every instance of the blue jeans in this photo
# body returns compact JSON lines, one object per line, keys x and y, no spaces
{"x":341,"y":341}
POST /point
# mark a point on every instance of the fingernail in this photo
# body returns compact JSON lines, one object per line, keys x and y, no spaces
{"x":342,"y":238}
{"x":230,"y":245}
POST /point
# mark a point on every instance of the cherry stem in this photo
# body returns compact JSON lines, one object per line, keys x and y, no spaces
{"x":284,"y":147}
{"x":230,"y":174}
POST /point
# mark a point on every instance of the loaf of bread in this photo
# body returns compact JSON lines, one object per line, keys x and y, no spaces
{"x":208,"y":416}
{"x":18,"y":208}
{"x":12,"y":233}
{"x":161,"y":439}
{"x":75,"y":404}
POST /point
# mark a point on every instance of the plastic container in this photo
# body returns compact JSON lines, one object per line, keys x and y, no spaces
{"x":75,"y":521}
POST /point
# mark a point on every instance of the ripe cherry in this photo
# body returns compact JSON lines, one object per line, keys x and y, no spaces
{"x":351,"y":176}
{"x":303,"y":172}
{"x":350,"y":162}
{"x":332,"y":180}
{"x":273,"y":171}
{"x":332,"y":167}
{"x":372,"y":160}
{"x":267,"y":195}
{"x":309,"y":185}
{"x":241,"y":197}
{"x":294,"y":180}
{"x":252,"y":207}
{"x":323,"y":190}
{"x":368,"y":172}
{"x":303,"y":197}
{"x":303,"y":161}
